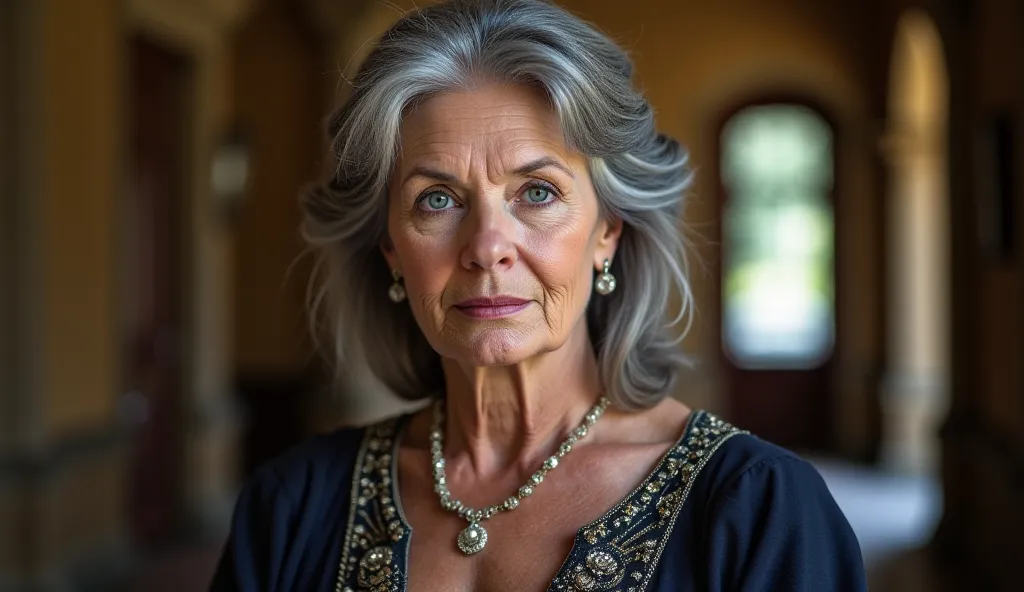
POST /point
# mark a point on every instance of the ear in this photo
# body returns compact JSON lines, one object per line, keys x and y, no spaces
{"x":609,"y":230}
{"x":387,"y":248}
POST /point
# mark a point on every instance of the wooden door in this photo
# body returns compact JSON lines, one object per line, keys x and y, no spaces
{"x":152,"y":287}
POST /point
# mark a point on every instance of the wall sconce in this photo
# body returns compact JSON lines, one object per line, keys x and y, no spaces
{"x":230,"y":172}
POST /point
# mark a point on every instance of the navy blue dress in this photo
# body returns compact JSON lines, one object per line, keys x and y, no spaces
{"x":723,"y":511}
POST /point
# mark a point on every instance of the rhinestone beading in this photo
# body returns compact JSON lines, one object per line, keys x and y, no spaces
{"x":472,"y":539}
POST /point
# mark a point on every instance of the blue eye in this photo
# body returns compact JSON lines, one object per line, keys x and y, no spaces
{"x":437,"y":200}
{"x":539,"y":195}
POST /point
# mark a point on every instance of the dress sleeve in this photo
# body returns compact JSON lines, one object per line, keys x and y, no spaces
{"x":776,"y":527}
{"x":252,"y":558}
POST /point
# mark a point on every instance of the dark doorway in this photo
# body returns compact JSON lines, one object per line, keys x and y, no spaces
{"x":152,"y":290}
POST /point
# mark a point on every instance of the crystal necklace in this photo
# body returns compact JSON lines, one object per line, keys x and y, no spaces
{"x":473,"y":538}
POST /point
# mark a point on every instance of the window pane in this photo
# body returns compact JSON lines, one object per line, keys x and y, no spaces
{"x":778,"y":243}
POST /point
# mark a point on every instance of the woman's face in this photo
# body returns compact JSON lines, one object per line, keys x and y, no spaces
{"x":495,"y":226}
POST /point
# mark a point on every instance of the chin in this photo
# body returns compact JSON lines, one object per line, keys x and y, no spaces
{"x":496,"y":347}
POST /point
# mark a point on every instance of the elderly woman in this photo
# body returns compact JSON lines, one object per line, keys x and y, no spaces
{"x":500,"y":238}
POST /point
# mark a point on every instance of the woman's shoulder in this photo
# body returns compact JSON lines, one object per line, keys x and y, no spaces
{"x":744,"y":478}
{"x":766,"y":513}
{"x":729,"y":453}
{"x":739,"y":454}
{"x":717,"y":451}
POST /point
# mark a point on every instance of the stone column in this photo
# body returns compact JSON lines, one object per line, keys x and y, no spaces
{"x":915,"y":386}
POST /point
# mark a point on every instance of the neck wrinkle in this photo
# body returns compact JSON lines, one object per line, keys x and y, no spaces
{"x":511,"y":418}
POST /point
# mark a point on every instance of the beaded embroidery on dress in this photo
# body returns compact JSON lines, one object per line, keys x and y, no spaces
{"x":376,"y":538}
{"x":618,"y":552}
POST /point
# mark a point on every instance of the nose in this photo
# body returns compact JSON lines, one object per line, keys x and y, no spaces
{"x":491,"y":241}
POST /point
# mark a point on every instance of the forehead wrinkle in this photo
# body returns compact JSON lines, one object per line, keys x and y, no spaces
{"x":487,"y":143}
{"x":494,"y":156}
{"x":439,"y":154}
{"x":425,"y":125}
{"x":518,"y":153}
{"x":439,"y":115}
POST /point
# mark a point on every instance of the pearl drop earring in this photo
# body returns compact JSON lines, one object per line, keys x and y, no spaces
{"x":397,"y":291}
{"x":604,"y":283}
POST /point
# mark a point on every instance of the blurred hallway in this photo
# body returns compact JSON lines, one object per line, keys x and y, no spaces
{"x":857,"y":216}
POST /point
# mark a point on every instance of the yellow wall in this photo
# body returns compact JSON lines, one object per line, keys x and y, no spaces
{"x":278,"y":90}
{"x":81,"y":112}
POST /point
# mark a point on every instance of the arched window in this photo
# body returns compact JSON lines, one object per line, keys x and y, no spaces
{"x":778,"y":309}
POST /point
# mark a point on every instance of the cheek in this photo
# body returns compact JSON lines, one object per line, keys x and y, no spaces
{"x":561,"y":259}
{"x":426,"y":271}
{"x":426,"y":261}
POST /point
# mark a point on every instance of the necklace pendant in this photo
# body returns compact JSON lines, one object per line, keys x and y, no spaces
{"x":472,"y":539}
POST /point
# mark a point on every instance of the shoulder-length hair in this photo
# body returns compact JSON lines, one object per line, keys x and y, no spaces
{"x":639,"y":176}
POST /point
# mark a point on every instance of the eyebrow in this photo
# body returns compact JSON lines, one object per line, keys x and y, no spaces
{"x":540,"y":163}
{"x":526,"y":169}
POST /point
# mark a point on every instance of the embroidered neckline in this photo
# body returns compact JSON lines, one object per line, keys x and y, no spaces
{"x":622,"y":547}
{"x":376,"y":545}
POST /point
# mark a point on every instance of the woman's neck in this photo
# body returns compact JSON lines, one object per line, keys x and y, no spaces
{"x":504,"y":418}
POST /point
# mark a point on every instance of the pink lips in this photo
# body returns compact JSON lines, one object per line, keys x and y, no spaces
{"x":491,"y":308}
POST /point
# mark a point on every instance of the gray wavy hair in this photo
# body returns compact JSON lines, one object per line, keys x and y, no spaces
{"x":639,"y":176}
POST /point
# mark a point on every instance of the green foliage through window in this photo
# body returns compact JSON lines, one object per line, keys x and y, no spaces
{"x":778,"y":238}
